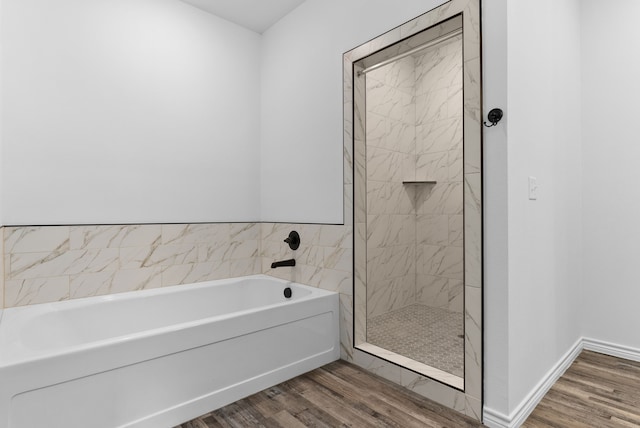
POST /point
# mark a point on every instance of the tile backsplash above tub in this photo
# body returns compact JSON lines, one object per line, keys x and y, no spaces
{"x":50,"y":263}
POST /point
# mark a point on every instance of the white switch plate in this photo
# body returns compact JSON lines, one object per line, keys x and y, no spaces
{"x":533,"y":188}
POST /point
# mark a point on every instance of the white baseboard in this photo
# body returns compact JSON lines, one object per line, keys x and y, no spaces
{"x":612,"y":349}
{"x":495,"y":419}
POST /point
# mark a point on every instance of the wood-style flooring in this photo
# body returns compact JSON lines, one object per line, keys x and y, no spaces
{"x":596,"y":391}
{"x":336,"y":395}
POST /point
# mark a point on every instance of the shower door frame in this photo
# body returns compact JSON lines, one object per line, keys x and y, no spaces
{"x":465,"y":396}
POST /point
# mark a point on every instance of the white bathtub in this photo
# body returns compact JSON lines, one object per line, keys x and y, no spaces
{"x":160,"y":357}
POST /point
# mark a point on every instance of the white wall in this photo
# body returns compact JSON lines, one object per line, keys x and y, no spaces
{"x":545,"y":142}
{"x":533,"y":272}
{"x":611,"y":157}
{"x":496,"y":220}
{"x":301,"y":149}
{"x":127,"y":111}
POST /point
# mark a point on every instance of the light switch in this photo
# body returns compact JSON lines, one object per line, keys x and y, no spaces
{"x":533,"y":188}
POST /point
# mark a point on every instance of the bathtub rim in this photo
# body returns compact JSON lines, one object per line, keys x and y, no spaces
{"x":15,"y":359}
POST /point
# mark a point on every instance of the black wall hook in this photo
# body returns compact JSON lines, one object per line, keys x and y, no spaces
{"x":494,"y":117}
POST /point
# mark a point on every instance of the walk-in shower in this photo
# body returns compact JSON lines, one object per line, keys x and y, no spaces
{"x":417,"y":203}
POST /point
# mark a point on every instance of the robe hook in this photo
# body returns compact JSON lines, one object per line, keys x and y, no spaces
{"x":494,"y":117}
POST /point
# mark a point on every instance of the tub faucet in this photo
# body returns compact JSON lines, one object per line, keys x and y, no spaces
{"x":290,"y":262}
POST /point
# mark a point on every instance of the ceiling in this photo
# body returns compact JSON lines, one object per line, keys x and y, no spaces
{"x":256,"y":15}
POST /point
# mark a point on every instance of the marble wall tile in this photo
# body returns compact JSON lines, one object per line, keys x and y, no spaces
{"x":338,"y":259}
{"x":377,"y":130}
{"x":455,"y":165}
{"x":473,"y":230}
{"x":206,"y":252}
{"x":95,"y":237}
{"x":346,"y":327}
{"x":472,"y":117}
{"x":335,"y":236}
{"x":471,"y":33}
{"x":386,"y":230}
{"x":34,"y":239}
{"x":188,"y":234}
{"x":347,"y":167}
{"x":442,"y":198}
{"x":48,"y":264}
{"x":359,"y":283}
{"x":97,"y":259}
{"x":442,"y":261}
{"x":456,"y":296}
{"x":439,"y":67}
{"x":432,"y":106}
{"x":277,"y":232}
{"x":135,"y":257}
{"x":390,"y":262}
{"x":388,"y":198}
{"x":439,"y":136}
{"x":398,"y":74}
{"x":473,"y":341}
{"x":433,"y":229}
{"x":389,"y":102}
{"x":21,"y":292}
{"x":360,"y":188}
{"x":432,"y":290}
{"x":245,"y":267}
{"x":389,"y":295}
{"x":401,"y":136}
{"x":238,"y":250}
{"x":377,"y":366}
{"x":244,"y":232}
{"x":473,"y":407}
{"x":436,"y":391}
{"x":386,"y":165}
{"x":311,"y":255}
{"x":454,"y":102}
{"x":456,"y":227}
{"x":433,"y":166}
{"x":348,"y":217}
{"x":195,"y":272}
{"x":169,"y":255}
{"x":440,"y":292}
{"x":111,"y":282}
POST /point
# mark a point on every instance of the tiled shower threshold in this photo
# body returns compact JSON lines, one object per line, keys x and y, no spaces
{"x":416,"y":366}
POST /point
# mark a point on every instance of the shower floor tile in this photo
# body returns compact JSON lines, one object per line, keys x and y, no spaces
{"x":428,"y":335}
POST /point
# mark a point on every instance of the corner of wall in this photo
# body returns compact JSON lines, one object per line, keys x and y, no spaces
{"x":495,"y":419}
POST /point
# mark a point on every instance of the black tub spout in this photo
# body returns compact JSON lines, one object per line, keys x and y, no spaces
{"x":290,"y":262}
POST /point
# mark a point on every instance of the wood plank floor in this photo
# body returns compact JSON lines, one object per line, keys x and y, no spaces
{"x":336,"y":395}
{"x":596,"y":391}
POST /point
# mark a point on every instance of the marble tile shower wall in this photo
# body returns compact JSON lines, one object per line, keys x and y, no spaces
{"x":52,"y":263}
{"x":440,"y":221}
{"x":391,"y":158}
